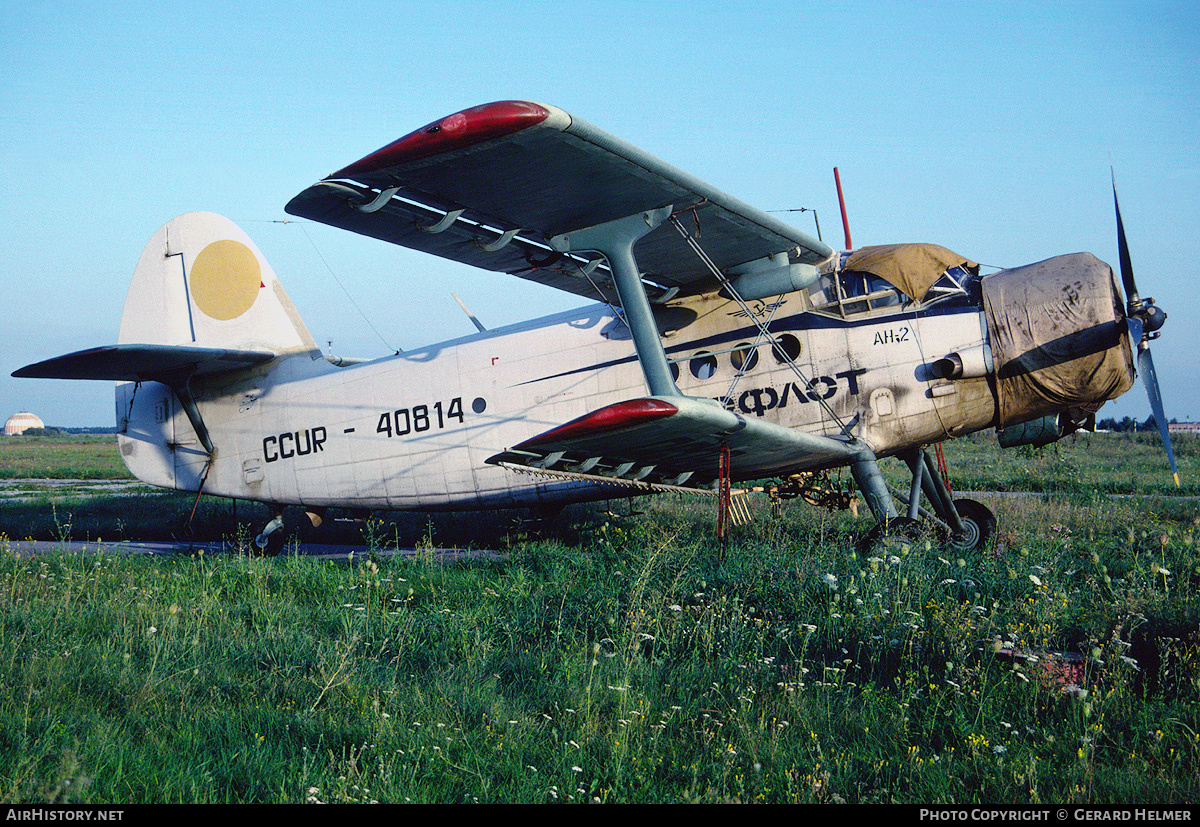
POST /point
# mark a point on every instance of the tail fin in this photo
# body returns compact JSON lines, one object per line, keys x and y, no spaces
{"x":203,"y":302}
{"x":201,"y":282}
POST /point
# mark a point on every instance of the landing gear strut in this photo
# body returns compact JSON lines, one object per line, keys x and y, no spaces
{"x":964,"y":525}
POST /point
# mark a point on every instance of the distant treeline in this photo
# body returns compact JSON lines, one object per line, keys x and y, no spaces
{"x":111,"y":429}
{"x":1128,"y":424}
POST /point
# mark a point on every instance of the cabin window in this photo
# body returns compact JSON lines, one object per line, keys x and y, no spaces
{"x":744,"y":357}
{"x":703,"y":365}
{"x":786,"y":348}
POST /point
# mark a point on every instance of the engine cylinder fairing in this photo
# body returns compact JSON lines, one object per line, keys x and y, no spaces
{"x":1058,"y":335}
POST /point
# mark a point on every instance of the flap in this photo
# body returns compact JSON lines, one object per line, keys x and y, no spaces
{"x":511,"y":175}
{"x":665,"y":442}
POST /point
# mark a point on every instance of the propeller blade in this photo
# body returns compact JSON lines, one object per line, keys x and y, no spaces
{"x":1150,"y":380}
{"x":1134,"y":324}
{"x":1131,"y":293}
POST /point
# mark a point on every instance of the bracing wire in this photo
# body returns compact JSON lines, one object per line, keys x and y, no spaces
{"x":329,"y":269}
{"x":338,"y":281}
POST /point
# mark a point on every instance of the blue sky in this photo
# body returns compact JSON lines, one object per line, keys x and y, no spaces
{"x":985,"y":127}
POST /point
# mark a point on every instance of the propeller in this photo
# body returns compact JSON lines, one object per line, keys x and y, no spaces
{"x":1144,"y":318}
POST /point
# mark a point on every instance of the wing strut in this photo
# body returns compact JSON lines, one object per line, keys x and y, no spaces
{"x":615,"y":239}
{"x":763,"y":333}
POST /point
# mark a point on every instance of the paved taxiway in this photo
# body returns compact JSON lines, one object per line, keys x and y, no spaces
{"x":314,"y":551}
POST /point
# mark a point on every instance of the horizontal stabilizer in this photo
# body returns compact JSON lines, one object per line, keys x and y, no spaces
{"x":169,"y":364}
{"x":674,"y":442}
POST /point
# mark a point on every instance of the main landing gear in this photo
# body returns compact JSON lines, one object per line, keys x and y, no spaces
{"x":963,"y":525}
{"x":978,"y":526}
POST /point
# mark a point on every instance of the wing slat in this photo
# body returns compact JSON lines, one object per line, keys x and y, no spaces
{"x":401,"y":221}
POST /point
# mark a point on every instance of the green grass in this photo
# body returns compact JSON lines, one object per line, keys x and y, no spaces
{"x":1082,"y":463}
{"x":61,"y":457}
{"x":626,"y":661}
{"x":635,"y":666}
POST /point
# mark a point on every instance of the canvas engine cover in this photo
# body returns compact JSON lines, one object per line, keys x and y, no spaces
{"x":1058,"y":336}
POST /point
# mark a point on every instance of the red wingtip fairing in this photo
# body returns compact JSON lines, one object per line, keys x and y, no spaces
{"x":470,"y":126}
{"x":605,"y":420}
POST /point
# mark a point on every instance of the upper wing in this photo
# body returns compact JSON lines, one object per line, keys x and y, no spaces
{"x":660,"y":442}
{"x":490,"y":186}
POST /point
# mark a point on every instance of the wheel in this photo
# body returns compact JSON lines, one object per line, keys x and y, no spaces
{"x":979,"y":524}
{"x":891,"y":535}
{"x":269,"y":545}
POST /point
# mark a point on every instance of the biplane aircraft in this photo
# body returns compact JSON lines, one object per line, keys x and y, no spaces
{"x":724,"y":345}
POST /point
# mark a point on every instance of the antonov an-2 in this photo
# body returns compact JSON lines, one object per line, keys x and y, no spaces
{"x":726,"y":345}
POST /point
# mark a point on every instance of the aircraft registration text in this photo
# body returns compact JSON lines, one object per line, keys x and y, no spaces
{"x":419,"y":418}
{"x":293,"y":444}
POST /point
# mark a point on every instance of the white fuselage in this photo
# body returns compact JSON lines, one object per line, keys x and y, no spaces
{"x":413,"y":431}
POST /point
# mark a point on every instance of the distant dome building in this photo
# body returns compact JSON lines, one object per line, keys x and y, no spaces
{"x":21,"y":422}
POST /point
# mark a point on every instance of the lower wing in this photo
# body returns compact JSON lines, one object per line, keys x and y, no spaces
{"x":671,"y":443}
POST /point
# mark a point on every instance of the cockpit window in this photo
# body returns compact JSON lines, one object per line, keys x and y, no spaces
{"x":854,"y":293}
{"x":850,"y":293}
{"x":952,"y":283}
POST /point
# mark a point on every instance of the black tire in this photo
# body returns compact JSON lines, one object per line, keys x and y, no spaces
{"x":893,"y":533}
{"x":270,"y":545}
{"x":979,"y":524}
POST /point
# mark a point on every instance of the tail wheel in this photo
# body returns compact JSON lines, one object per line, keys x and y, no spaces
{"x":978,"y":522}
{"x":269,"y":545}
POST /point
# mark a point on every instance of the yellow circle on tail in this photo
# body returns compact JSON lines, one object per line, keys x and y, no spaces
{"x":225,"y":279}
